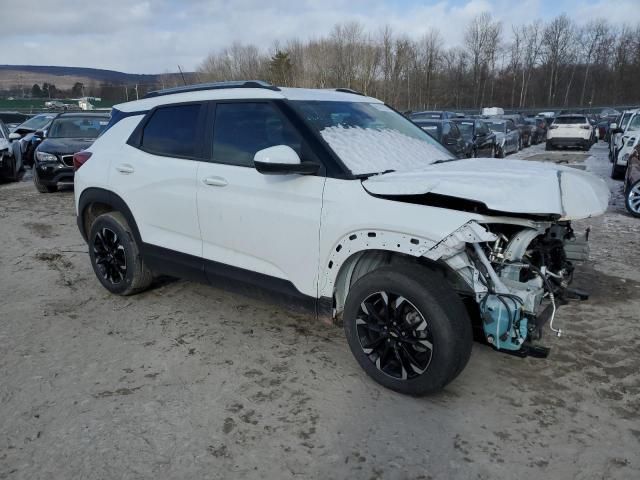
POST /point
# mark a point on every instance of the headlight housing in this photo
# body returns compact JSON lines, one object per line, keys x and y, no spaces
{"x":46,"y":157}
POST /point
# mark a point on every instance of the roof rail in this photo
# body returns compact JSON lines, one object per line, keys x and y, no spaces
{"x":212,"y":86}
{"x":348,"y":90}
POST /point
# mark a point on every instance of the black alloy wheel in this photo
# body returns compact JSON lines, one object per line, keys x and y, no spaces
{"x":394,"y":335}
{"x":110,"y":256}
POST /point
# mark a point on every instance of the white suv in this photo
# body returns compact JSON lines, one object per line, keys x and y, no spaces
{"x":570,"y":131}
{"x":626,"y":140}
{"x":332,"y":201}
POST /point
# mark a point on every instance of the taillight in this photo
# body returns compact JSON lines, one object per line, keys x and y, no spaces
{"x":79,"y":159}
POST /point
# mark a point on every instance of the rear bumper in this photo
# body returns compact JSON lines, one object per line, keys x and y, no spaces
{"x":569,"y":141}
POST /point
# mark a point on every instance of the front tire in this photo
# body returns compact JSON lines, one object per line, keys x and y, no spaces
{"x":42,"y":188}
{"x":115,"y":256}
{"x":617,"y":171}
{"x":407,"y":329}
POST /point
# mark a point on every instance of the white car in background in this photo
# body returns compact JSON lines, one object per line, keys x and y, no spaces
{"x":628,"y":140}
{"x":570,"y":130}
{"x":617,"y":129}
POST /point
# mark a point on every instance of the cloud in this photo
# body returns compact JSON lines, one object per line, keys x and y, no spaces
{"x":152,"y":37}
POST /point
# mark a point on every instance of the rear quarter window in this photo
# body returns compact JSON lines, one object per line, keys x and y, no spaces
{"x":172,"y":131}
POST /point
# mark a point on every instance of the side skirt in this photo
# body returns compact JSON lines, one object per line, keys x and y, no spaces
{"x":238,"y":280}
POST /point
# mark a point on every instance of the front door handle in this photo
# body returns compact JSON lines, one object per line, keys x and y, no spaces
{"x":215,"y":182}
{"x":125,"y":168}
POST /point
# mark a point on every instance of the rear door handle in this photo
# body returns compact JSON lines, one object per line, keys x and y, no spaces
{"x":215,"y":181}
{"x":125,"y":168}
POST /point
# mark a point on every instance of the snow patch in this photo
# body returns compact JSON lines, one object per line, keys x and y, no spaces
{"x":367,"y":150}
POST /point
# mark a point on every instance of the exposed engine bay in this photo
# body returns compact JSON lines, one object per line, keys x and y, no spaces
{"x":518,"y":277}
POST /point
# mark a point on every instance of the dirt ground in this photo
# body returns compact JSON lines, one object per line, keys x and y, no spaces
{"x":186,"y":381}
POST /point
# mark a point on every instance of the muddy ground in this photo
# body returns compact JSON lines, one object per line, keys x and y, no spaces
{"x":186,"y":381}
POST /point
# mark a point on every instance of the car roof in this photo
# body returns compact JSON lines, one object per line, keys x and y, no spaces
{"x":84,"y":114}
{"x":431,"y":120}
{"x":282,"y":93}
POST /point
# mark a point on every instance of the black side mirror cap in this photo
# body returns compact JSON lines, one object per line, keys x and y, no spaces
{"x":302,"y":168}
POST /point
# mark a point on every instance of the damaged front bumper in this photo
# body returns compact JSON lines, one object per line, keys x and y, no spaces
{"x":518,"y":276}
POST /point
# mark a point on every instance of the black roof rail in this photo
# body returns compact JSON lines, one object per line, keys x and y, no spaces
{"x":349,"y":90}
{"x":212,"y":86}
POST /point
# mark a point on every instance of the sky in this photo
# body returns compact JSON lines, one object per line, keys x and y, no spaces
{"x":154,"y":36}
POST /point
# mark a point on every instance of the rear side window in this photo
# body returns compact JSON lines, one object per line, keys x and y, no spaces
{"x":172,"y":131}
{"x":242,"y":129}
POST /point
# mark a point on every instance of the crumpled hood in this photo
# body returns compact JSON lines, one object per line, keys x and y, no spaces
{"x":512,"y":186}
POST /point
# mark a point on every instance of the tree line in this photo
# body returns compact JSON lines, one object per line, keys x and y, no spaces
{"x":554,"y":64}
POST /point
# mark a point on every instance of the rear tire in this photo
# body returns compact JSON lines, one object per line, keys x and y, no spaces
{"x":115,"y":256}
{"x":617,"y":171}
{"x":632,"y":199}
{"x":39,"y":186}
{"x":418,"y":339}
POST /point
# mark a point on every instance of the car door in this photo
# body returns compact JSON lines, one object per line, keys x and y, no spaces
{"x":456,"y":135}
{"x":156,"y":177}
{"x":256,"y":227}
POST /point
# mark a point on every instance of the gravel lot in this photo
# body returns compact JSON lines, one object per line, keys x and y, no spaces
{"x":186,"y":381}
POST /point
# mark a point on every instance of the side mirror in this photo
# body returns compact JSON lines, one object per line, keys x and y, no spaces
{"x":40,"y":134}
{"x":616,"y":130}
{"x":282,"y":160}
{"x":613,"y":126}
{"x":14,"y":136}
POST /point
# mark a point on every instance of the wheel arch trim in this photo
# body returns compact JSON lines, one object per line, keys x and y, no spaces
{"x":106,"y":197}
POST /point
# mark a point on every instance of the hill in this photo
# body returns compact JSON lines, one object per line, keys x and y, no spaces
{"x":12,"y":76}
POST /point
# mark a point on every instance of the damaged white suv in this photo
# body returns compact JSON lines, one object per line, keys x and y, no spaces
{"x":331,"y":200}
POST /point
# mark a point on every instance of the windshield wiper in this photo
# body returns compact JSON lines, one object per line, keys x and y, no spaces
{"x":444,"y":160}
{"x":367,"y":175}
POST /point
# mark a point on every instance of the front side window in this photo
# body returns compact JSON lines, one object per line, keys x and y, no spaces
{"x":172,"y":131}
{"x":634,"y":124}
{"x":466,"y":128}
{"x":240,"y":130}
{"x":497,"y":126}
{"x":77,"y":127}
{"x":38,"y":122}
{"x":370,"y":137}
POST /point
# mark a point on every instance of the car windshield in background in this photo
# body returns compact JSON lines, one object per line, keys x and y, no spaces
{"x":497,"y":126}
{"x":634,"y":124}
{"x":77,"y":127}
{"x":570,"y":120}
{"x":433,"y":129}
{"x":466,"y":128}
{"x":425,"y":115}
{"x":370,"y":137}
{"x":37,"y":122}
{"x":625,"y":119}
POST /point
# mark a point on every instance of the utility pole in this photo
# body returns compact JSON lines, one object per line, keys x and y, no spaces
{"x":126,"y":92}
{"x":180,"y":70}
{"x":137,"y":92}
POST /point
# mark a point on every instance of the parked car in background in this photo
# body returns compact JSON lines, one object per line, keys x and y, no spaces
{"x":27,"y":141}
{"x":526,"y":130}
{"x":507,"y":136}
{"x":603,"y":125}
{"x":68,"y":134}
{"x":479,"y":137}
{"x":617,"y":129}
{"x":13,"y":119}
{"x":448,"y":134}
{"x":10,"y":165}
{"x":570,"y":131}
{"x":628,"y":142}
{"x":538,"y":129}
{"x":434,"y":114}
{"x":632,"y":182}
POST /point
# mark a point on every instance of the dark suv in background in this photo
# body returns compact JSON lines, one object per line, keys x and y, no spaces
{"x":482,"y":141}
{"x":448,"y":134}
{"x":67,"y":134}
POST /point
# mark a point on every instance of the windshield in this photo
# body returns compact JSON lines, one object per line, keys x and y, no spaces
{"x":634,"y":124}
{"x":433,"y":129}
{"x":38,"y":122}
{"x":466,"y":129}
{"x":499,"y":127}
{"x":77,"y":127}
{"x":625,"y":119}
{"x":370,"y":137}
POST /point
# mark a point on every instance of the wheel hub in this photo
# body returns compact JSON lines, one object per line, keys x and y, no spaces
{"x":394,"y":335}
{"x":109,"y":256}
